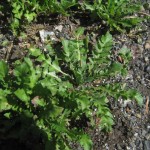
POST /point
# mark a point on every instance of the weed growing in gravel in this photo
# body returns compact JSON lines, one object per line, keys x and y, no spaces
{"x":118,"y":14}
{"x":24,"y":12}
{"x":56,"y":88}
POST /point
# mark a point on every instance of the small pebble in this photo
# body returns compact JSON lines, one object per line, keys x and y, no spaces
{"x":138,"y":116}
{"x":142,"y":81}
{"x":146,"y":59}
{"x":147,"y":69}
{"x":144,"y":132}
{"x":136,"y":134}
{"x":147,"y":44}
{"x":148,"y":127}
{"x":139,"y":40}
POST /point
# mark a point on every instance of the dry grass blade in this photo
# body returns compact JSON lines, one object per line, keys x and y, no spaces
{"x":147,"y":103}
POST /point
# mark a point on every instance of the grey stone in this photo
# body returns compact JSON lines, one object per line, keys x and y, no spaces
{"x":148,"y":128}
{"x":144,"y":132}
{"x":147,"y":136}
{"x":147,"y":69}
{"x":147,"y":145}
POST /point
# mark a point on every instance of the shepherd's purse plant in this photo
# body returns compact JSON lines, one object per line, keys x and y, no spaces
{"x":58,"y":87}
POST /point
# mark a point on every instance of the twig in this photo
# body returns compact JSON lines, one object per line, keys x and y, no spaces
{"x":147,"y":103}
{"x":8,"y":51}
{"x":144,"y":13}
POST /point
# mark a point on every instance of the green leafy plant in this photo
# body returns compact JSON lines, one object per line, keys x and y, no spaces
{"x":26,"y":11}
{"x":57,"y":88}
{"x":118,"y":14}
{"x":23,"y":11}
{"x":55,"y":6}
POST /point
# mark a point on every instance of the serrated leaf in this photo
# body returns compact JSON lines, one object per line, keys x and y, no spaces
{"x":7,"y":115}
{"x":29,"y":63}
{"x":133,"y":94}
{"x":41,"y":58}
{"x":116,"y":67}
{"x":66,"y":48}
{"x":106,"y":123}
{"x":35,"y":52}
{"x":4,"y":105}
{"x":124,"y":51}
{"x":50,"y":50}
{"x":21,"y":70}
{"x":83,"y":101}
{"x":50,"y":84}
{"x":21,"y":94}
{"x":138,"y":97}
{"x":104,"y":43}
{"x":55,"y":65}
{"x":67,"y":4}
{"x":56,"y":111}
{"x":63,"y":88}
{"x":33,"y":79}
{"x":79,"y":32}
{"x":107,"y":39}
{"x":124,"y":72}
{"x":36,"y":101}
{"x":30,"y":16}
{"x":86,"y":142}
{"x":53,"y":74}
{"x":89,"y":7}
{"x":3,"y":70}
